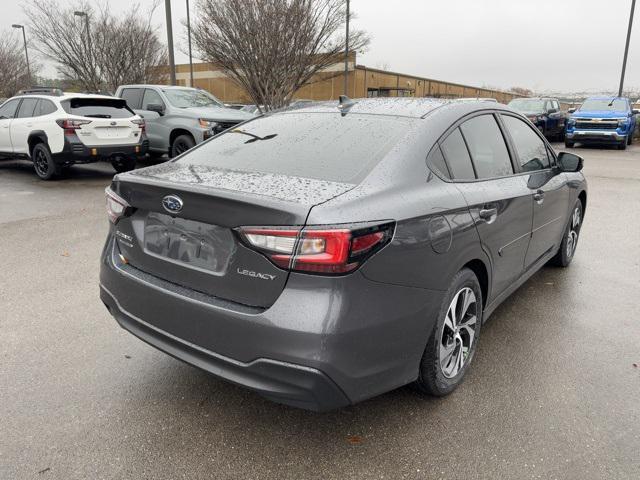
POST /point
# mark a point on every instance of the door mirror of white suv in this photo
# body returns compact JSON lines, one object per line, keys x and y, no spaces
{"x":156,"y":107}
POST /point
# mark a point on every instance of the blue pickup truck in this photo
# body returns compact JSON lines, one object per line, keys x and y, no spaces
{"x":602,"y":120}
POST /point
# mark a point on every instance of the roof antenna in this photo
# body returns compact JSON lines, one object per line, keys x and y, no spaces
{"x":344,"y":103}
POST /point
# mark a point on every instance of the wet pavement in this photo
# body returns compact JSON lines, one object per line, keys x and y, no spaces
{"x":553,"y":392}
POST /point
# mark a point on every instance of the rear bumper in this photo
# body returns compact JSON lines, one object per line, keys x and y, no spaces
{"x":74,"y":151}
{"x":596,"y":136}
{"x":325,"y":342}
{"x":282,"y":382}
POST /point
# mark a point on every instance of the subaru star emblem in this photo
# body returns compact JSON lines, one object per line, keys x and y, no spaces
{"x":172,"y":203}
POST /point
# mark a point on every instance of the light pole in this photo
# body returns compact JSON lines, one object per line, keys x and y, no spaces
{"x":172,"y":62}
{"x":346,"y":54}
{"x":189,"y":40}
{"x":78,"y":13}
{"x":26,"y":52}
{"x":86,"y":27}
{"x":626,"y":47}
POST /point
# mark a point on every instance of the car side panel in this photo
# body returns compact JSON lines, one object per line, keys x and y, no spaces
{"x":505,"y":237}
{"x":549,"y":212}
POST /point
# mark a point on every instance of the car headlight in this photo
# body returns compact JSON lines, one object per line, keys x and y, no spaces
{"x":204,"y":123}
{"x":571,"y":121}
{"x":622,"y":122}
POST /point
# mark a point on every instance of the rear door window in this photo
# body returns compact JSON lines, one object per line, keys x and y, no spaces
{"x":26,"y":108}
{"x":97,"y":107}
{"x":44,"y":107}
{"x":531,"y":150}
{"x":133,"y":97}
{"x":457,"y":156}
{"x":323,"y":146}
{"x":436,"y":162}
{"x":487,"y":147}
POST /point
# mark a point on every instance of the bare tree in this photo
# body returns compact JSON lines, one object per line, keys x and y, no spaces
{"x":123,"y":49}
{"x":273,"y":47}
{"x":521,"y":91}
{"x":13,"y":66}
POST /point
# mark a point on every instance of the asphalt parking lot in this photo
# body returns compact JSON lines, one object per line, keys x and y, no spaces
{"x":553,"y":392}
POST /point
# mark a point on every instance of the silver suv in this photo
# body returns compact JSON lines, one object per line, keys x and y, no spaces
{"x":177,"y":118}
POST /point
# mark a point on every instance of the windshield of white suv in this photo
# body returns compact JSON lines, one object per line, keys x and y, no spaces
{"x":185,"y":98}
{"x":612,"y":105}
{"x":527,"y":105}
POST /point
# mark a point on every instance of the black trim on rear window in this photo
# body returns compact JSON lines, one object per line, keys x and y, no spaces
{"x":97,"y":107}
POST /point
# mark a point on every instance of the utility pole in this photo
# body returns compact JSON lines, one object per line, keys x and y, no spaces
{"x":346,"y":54}
{"x":26,"y":52}
{"x":189,"y":39}
{"x":626,"y":47}
{"x":172,"y":62}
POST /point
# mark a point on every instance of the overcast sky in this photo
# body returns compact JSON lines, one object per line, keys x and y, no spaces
{"x":565,"y":45}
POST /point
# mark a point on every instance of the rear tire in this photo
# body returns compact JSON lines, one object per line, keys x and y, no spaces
{"x":43,"y":162}
{"x":452,"y":344}
{"x":569,"y":242}
{"x":181,"y":144}
{"x":123,"y":164}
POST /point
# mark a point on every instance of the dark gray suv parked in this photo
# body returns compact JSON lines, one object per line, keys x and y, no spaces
{"x":329,"y":254}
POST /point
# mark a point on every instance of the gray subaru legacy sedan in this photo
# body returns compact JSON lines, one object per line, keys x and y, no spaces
{"x":325,"y":255}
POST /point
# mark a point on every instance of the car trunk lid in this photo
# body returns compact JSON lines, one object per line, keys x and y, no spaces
{"x":196,"y":245}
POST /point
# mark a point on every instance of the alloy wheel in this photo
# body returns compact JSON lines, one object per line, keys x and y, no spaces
{"x":574,"y":229}
{"x":458,"y":332}
{"x":41,"y":163}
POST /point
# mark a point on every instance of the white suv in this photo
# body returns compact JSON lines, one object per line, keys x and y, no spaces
{"x":56,"y":130}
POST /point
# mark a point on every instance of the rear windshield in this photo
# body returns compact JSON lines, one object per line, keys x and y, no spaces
{"x":311,"y":145}
{"x":97,"y":107}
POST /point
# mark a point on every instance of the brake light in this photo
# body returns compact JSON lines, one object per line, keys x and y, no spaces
{"x":141,"y":124}
{"x":116,"y":205}
{"x":70,"y":126}
{"x":317,"y":249}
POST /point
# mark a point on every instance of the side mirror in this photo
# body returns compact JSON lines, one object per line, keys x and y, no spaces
{"x":569,"y":162}
{"x":571,"y":110}
{"x":635,"y":111}
{"x":553,"y":110}
{"x":156,"y":107}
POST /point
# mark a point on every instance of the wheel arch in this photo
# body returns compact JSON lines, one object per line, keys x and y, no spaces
{"x":479,"y":268}
{"x":176,"y":132}
{"x":582,"y":196}
{"x":35,"y":137}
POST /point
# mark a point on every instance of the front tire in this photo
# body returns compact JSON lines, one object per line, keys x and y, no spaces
{"x":452,"y":344}
{"x":43,"y":162}
{"x":570,"y":239}
{"x":181,"y":144}
{"x":568,"y":144}
{"x":623,"y":145}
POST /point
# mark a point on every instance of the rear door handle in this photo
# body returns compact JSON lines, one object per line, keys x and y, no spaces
{"x":488,"y":213}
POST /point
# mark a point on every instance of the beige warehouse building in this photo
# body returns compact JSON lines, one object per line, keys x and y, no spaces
{"x":329,"y":84}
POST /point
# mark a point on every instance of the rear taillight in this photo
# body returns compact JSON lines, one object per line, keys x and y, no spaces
{"x":141,"y":124}
{"x":318,"y":249}
{"x":116,"y":206}
{"x":70,"y":126}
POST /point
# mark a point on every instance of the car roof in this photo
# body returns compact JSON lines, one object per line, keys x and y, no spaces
{"x":164,"y":87}
{"x":65,"y":96}
{"x":395,"y":106}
